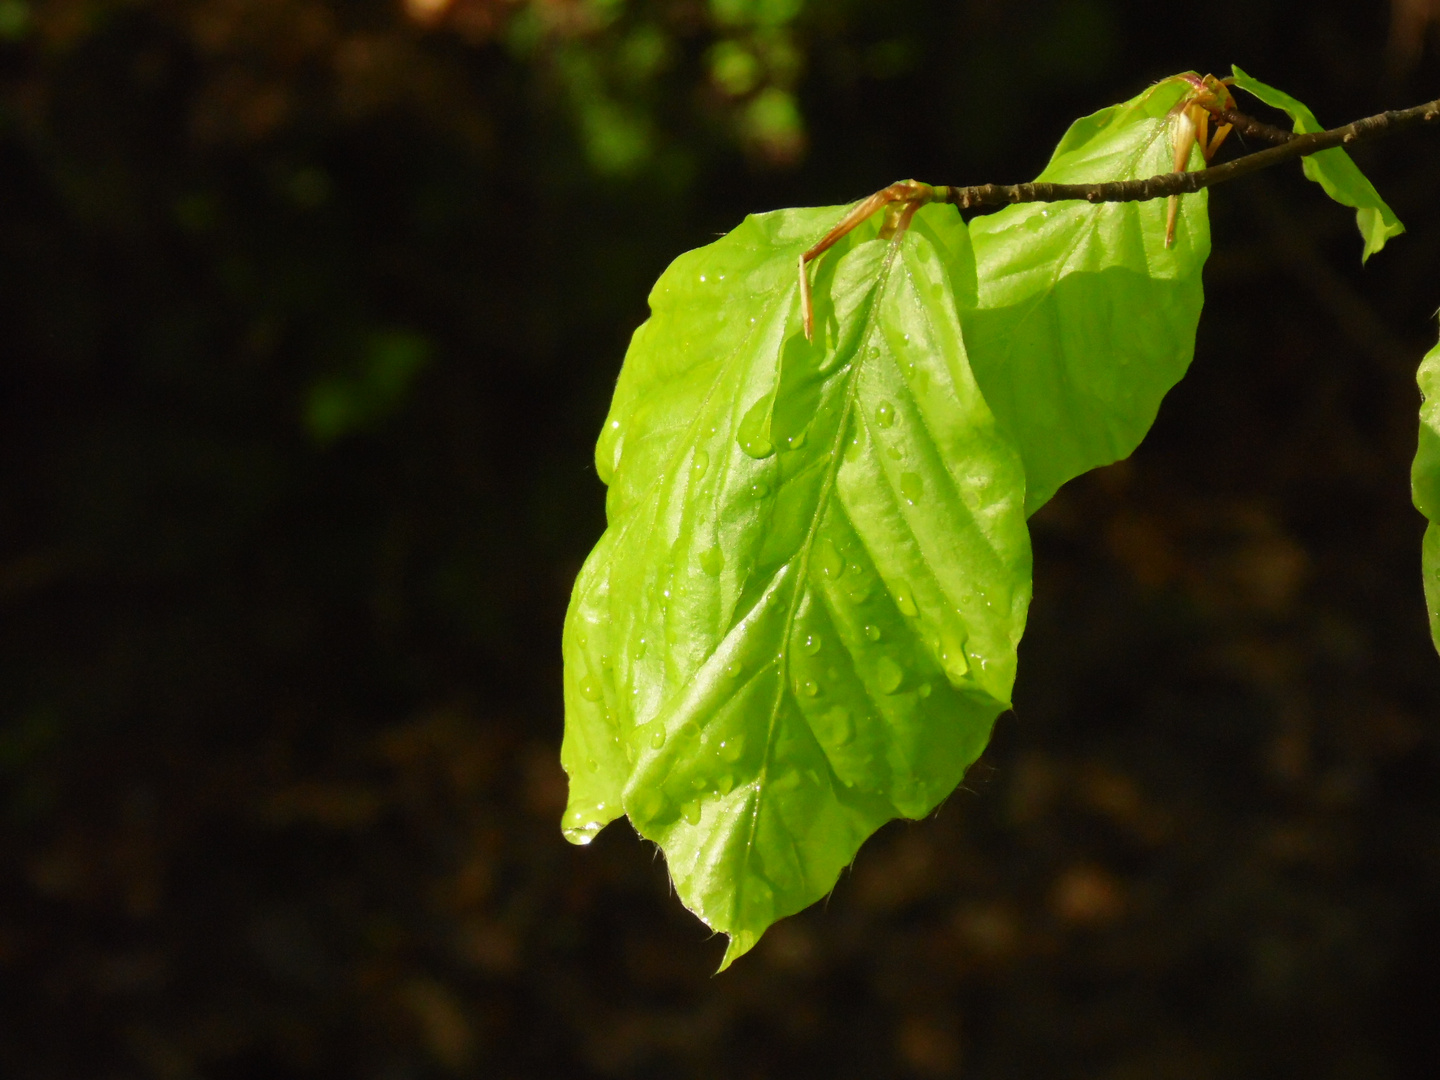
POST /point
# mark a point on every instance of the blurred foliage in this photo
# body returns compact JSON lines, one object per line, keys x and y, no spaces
{"x":279,"y":680}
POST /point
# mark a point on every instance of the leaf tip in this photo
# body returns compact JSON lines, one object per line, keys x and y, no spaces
{"x":741,"y":942}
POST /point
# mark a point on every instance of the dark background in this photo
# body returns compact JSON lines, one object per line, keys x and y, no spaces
{"x":309,"y":314}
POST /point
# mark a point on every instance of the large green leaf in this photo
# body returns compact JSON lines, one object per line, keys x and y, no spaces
{"x":1425,"y":483}
{"x":1333,"y":169}
{"x":802,"y":619}
{"x":1085,"y":319}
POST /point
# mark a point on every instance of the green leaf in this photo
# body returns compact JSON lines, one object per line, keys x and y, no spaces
{"x":1425,"y":483}
{"x":1333,"y":169}
{"x":802,"y":619}
{"x":1084,"y":318}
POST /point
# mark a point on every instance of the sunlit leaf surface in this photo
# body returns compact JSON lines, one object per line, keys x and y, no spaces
{"x":802,"y":619}
{"x":1085,"y":319}
{"x":1333,"y":170}
{"x":1425,"y":483}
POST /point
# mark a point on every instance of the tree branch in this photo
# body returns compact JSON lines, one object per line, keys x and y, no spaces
{"x":1186,"y":183}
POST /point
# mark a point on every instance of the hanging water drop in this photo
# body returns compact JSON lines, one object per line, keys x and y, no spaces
{"x":811,"y":644}
{"x":904,"y":600}
{"x":582,"y":833}
{"x":885,"y":414}
{"x":724,"y":784}
{"x":691,"y":812}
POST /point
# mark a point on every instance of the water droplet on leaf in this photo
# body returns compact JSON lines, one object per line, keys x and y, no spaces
{"x":904,"y":600}
{"x":730,"y":749}
{"x":811,"y":688}
{"x":657,"y":737}
{"x":872,"y":632}
{"x":842,"y":724}
{"x":828,"y":560}
{"x":911,"y":486}
{"x":590,"y":688}
{"x":699,"y":465}
{"x":691,"y":812}
{"x":885,"y":414}
{"x":888,"y":675}
{"x":811,"y":644}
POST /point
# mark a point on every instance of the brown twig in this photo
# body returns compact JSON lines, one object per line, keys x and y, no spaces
{"x":1248,"y":125}
{"x":1187,"y":183}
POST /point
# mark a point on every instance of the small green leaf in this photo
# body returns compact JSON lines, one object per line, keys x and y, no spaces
{"x":802,"y":619}
{"x":1425,"y":483}
{"x":1333,"y":169}
{"x":1084,"y":318}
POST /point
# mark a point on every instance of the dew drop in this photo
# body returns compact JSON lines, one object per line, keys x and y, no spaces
{"x":724,"y":784}
{"x":698,"y":783}
{"x":712,"y":561}
{"x":590,"y":688}
{"x":759,"y":489}
{"x":731,"y":749}
{"x":690,"y":729}
{"x":796,"y":441}
{"x":657,"y":737}
{"x":828,"y":560}
{"x":733,"y":670}
{"x":872,"y":632}
{"x":904,"y":600}
{"x":885,"y":414}
{"x":911,"y":486}
{"x":691,"y":812}
{"x":699,"y":465}
{"x":582,"y":833}
{"x":888,"y":675}
{"x":757,"y":446}
{"x":811,"y":644}
{"x":811,"y":688}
